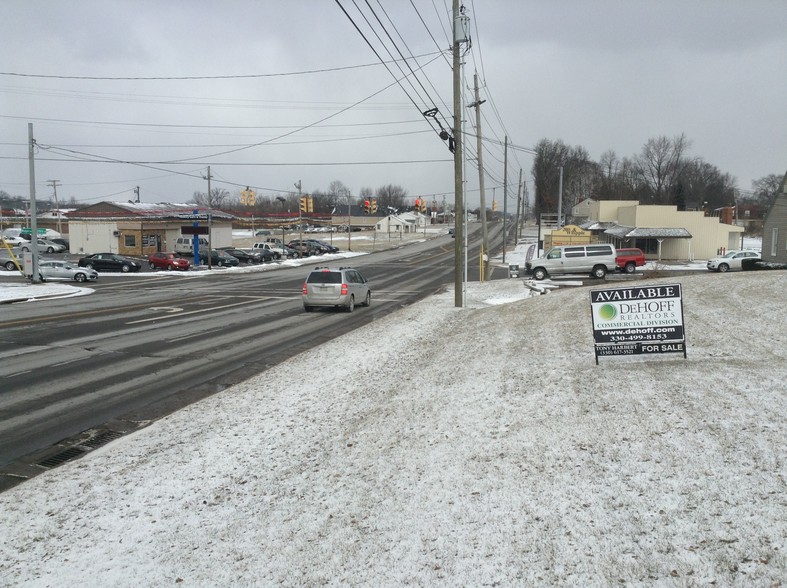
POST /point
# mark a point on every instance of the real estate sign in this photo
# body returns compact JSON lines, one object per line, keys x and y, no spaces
{"x":638,"y":320}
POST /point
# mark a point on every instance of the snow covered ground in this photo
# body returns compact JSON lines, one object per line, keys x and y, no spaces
{"x":473,"y":446}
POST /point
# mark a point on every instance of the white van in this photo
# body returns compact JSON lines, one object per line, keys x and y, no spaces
{"x":597,"y":260}
{"x":186,"y":244}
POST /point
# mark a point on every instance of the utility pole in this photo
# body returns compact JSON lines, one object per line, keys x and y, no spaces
{"x":55,"y":184}
{"x":484,"y":232}
{"x":33,"y":220}
{"x":560,"y":200}
{"x":518,"y":206}
{"x":505,"y":196}
{"x":459,"y":206}
{"x":136,"y":191}
{"x":210,"y":242}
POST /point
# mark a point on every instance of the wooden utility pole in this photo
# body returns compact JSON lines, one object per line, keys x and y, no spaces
{"x":459,"y":206}
{"x":33,"y":214}
{"x":518,"y":206}
{"x":505,"y":196}
{"x":484,"y":231}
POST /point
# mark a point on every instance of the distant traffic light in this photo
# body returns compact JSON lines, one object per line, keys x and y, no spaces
{"x":247,"y":197}
{"x":374,"y":206}
{"x":367,"y":206}
{"x":306,"y":203}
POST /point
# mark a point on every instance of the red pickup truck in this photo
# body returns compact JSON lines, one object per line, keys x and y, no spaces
{"x":628,"y":260}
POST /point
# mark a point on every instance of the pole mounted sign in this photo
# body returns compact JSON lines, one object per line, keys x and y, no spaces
{"x":635,"y":321}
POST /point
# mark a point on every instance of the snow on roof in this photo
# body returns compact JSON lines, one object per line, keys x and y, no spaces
{"x":624,"y":232}
{"x":177,"y":210}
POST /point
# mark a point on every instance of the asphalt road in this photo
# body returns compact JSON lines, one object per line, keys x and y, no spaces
{"x":77,"y":371}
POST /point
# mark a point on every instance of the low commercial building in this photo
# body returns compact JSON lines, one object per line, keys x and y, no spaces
{"x":661,"y":231}
{"x":140,"y":228}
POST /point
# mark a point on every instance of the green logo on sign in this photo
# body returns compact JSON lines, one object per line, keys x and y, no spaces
{"x":607,"y":312}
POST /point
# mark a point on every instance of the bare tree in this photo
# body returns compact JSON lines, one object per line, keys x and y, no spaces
{"x":767,"y":188}
{"x":216,"y":199}
{"x":391,"y":196}
{"x":660,"y":164}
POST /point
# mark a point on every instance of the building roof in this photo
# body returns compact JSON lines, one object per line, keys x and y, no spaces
{"x":597,"y":226}
{"x":158,"y":210}
{"x":623,"y":232}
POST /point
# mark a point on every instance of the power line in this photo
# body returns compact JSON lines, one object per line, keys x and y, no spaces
{"x":180,"y":78}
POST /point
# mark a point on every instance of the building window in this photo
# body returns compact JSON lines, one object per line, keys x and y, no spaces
{"x":129,"y":240}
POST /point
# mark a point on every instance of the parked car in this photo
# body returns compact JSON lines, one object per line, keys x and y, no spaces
{"x":253,"y":256}
{"x":323,"y":246}
{"x":341,"y":288}
{"x":168,"y":261}
{"x":732,"y":260}
{"x":303,"y":248}
{"x":60,"y":241}
{"x":218,"y":258}
{"x":109,"y":262}
{"x":7,"y":261}
{"x":12,"y":241}
{"x":65,"y":270}
{"x":628,"y":260}
{"x":44,"y":246}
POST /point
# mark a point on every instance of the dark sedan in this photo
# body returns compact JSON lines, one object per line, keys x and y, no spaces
{"x":218,"y":258}
{"x":109,"y":262}
{"x":256,"y":256}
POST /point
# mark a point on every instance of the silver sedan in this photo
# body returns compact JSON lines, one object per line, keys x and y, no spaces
{"x":64,"y":270}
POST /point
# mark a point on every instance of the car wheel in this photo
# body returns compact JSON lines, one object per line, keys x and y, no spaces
{"x":10,"y":266}
{"x":723,"y":267}
{"x":630,"y":268}
{"x":368,"y":301}
{"x":351,"y":304}
{"x":599,"y":272}
{"x":219,"y":263}
{"x":50,"y":249}
{"x":169,"y":267}
{"x":125,"y":268}
{"x":152,"y":265}
{"x":539,"y":273}
{"x":277,"y":256}
{"x":41,"y":278}
{"x":80,"y":277}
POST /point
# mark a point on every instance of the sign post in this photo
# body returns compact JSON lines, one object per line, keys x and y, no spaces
{"x":638,"y":320}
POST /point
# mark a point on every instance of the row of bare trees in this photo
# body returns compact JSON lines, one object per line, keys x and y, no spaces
{"x":662,"y":173}
{"x":389,"y":196}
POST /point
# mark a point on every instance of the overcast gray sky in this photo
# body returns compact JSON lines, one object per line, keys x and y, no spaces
{"x":291,"y":91}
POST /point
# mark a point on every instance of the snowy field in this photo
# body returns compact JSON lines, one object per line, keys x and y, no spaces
{"x":458,"y":447}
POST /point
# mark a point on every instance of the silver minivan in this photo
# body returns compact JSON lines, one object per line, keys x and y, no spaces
{"x":597,"y":260}
{"x":344,"y":287}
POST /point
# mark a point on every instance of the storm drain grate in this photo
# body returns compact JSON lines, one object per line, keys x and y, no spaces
{"x":102,"y":438}
{"x":62,"y":457}
{"x":80,"y":449}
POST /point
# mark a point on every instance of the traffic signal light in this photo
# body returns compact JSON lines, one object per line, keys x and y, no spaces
{"x":494,"y":205}
{"x":422,"y":207}
{"x":367,"y":206}
{"x":247,"y":197}
{"x":304,"y":203}
{"x":417,"y":204}
{"x":374,"y":207}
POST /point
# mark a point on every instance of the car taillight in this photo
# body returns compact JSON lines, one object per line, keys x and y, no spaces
{"x":344,"y":289}
{"x":305,"y":288}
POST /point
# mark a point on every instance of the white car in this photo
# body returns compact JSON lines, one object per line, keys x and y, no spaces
{"x":65,"y":271}
{"x":732,"y":260}
{"x":12,"y":241}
